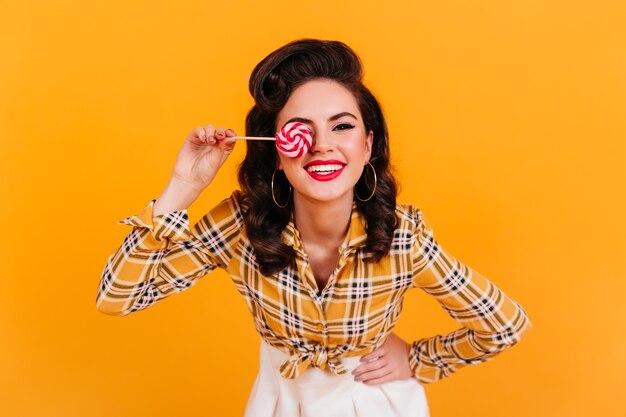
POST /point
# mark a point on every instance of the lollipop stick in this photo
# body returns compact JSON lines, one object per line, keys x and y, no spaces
{"x":253,"y":138}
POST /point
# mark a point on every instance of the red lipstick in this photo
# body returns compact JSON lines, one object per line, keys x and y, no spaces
{"x":325,"y":175}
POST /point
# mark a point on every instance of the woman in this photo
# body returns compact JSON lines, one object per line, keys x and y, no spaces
{"x":319,"y":248}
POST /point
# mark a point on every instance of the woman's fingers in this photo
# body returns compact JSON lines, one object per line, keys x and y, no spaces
{"x":224,"y":140}
{"x":211,"y":135}
{"x":379,"y":380}
{"x":209,"y":132}
{"x":198,"y":135}
{"x":387,"y":363}
{"x":368,"y":367}
{"x":220,"y":133}
{"x":375,"y":354}
{"x":374,"y":370}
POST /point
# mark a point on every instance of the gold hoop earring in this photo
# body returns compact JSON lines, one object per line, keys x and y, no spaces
{"x":375,"y":184}
{"x":274,"y":198}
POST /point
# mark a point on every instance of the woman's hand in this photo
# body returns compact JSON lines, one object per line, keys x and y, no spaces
{"x":389,"y":362}
{"x":202,"y":155}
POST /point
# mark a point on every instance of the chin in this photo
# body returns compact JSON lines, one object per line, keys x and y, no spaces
{"x":327,"y":197}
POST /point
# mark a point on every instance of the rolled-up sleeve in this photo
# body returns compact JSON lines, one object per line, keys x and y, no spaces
{"x":162,"y":256}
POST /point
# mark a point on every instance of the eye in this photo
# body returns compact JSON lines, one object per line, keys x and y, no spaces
{"x":343,"y":126}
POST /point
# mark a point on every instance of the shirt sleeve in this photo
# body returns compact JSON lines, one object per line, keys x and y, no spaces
{"x":162,"y":256}
{"x":492,"y":321}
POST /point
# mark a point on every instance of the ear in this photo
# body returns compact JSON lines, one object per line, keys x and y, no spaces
{"x":368,"y":145}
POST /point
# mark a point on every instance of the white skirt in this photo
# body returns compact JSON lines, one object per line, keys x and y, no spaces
{"x":321,"y":393}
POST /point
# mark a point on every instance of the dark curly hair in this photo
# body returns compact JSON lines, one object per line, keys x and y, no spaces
{"x":271,"y":83}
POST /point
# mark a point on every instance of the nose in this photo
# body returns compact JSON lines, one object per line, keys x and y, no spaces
{"x":321,"y":143}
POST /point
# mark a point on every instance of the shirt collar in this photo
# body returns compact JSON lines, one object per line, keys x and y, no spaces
{"x":355,"y":237}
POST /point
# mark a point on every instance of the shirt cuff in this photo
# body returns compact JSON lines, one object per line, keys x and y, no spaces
{"x":172,"y":226}
{"x":424,"y":374}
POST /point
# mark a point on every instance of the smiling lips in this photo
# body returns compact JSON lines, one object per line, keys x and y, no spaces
{"x":322,"y":170}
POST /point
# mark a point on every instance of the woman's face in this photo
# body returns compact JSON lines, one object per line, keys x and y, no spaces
{"x":341,"y":146}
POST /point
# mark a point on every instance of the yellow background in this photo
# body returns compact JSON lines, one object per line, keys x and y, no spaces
{"x":507,"y":130}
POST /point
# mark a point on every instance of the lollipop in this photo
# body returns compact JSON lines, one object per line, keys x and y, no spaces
{"x":293,"y":140}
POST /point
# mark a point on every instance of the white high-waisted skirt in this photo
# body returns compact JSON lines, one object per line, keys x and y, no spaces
{"x":321,"y":393}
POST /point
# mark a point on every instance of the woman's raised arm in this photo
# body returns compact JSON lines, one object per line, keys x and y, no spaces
{"x":161,"y":255}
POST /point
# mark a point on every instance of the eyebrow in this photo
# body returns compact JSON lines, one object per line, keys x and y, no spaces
{"x":330,"y":119}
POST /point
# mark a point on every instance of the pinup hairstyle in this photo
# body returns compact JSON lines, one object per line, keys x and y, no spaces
{"x":271,"y":83}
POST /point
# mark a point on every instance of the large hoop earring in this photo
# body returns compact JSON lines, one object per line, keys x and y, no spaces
{"x":274,"y":198}
{"x":375,"y":184}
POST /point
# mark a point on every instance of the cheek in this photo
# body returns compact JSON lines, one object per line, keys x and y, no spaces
{"x":356,"y":148}
{"x":290,"y":166}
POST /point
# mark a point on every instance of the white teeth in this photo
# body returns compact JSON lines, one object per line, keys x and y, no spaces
{"x":324,"y":168}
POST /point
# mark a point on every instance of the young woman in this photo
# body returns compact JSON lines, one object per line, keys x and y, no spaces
{"x":318,"y":247}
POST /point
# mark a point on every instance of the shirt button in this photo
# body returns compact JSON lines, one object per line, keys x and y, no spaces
{"x":320,"y":326}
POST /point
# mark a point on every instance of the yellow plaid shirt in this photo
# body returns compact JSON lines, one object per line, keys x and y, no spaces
{"x":354,"y":313}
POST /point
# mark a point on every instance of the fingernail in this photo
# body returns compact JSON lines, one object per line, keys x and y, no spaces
{"x":204,"y":137}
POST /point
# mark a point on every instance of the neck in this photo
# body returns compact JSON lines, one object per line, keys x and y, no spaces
{"x":322,"y":223}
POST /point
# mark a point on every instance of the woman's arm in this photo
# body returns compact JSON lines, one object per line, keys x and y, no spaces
{"x":492,"y":321}
{"x":161,"y":256}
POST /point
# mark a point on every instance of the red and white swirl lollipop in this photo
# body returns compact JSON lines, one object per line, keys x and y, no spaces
{"x":294,"y":140}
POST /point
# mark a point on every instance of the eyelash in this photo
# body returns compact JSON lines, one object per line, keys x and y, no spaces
{"x":349,"y":126}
